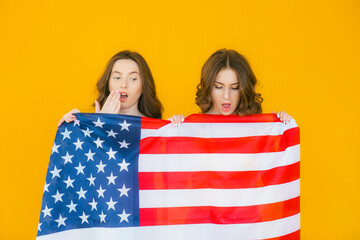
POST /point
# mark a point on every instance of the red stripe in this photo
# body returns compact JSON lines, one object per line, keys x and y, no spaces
{"x":292,"y":236}
{"x":218,"y":180}
{"x":219,"y":215}
{"x":255,"y":118}
{"x":254,"y":144}
{"x":151,"y":123}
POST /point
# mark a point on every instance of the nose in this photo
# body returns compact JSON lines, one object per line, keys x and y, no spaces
{"x":226,"y":94}
{"x":124,"y":83}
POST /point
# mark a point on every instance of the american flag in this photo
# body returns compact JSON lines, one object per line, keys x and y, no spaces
{"x":215,"y":177}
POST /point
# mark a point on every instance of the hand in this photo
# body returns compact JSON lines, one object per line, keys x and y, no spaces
{"x":111,"y":105}
{"x":284,"y":117}
{"x":69,"y":117}
{"x":176,"y":120}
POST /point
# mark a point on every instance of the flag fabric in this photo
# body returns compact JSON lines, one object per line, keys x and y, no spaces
{"x":216,"y":177}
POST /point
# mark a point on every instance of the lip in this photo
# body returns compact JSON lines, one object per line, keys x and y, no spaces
{"x":226,"y":107}
{"x":122,"y":97}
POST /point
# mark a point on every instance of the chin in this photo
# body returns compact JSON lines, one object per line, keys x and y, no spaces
{"x":227,"y":113}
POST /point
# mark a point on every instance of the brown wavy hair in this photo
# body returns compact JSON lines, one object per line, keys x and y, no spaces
{"x":149,"y":104}
{"x":250,"y":101}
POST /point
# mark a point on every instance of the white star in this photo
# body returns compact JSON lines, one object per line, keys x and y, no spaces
{"x":66,"y":134}
{"x":98,"y":123}
{"x":76,"y":122}
{"x":124,"y":216}
{"x":69,"y":182}
{"x":61,"y":221}
{"x":87,"y":132}
{"x":47,"y":211}
{"x":101,"y":192}
{"x":55,"y":172}
{"x":101,"y":167}
{"x":84,"y":218}
{"x":111,"y":154}
{"x":80,"y":169}
{"x":67,"y":158}
{"x":71,"y":206}
{"x":93,"y":204}
{"x":46,"y":187}
{"x":111,"y":179}
{"x":111,"y":133}
{"x":98,"y":143}
{"x":124,"y":165}
{"x":102,"y":217}
{"x":111,"y":204}
{"x":81,"y":193}
{"x":124,"y":125}
{"x":58,"y":196}
{"x":39,"y":225}
{"x":124,"y":190}
{"x":90,"y":155}
{"x":78,"y":144}
{"x":55,"y":148}
{"x":124,"y":144}
{"x":91,"y":179}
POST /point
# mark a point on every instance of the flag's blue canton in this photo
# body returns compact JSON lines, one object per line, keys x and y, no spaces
{"x":92,"y":180}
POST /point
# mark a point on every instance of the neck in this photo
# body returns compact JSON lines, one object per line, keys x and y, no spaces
{"x":134,"y":111}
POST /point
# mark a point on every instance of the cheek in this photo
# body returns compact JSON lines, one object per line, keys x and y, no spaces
{"x":112,"y":85}
{"x":215,"y":96}
{"x":137,"y":88}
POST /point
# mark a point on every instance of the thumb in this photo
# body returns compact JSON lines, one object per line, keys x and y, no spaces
{"x":97,"y":107}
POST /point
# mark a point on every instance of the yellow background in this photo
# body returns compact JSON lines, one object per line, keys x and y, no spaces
{"x":304,"y":53}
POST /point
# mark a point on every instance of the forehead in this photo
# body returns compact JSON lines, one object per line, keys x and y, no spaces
{"x":227,"y":76}
{"x":125,"y":66}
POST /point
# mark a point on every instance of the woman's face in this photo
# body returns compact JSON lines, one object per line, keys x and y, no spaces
{"x":225,"y":92}
{"x":125,"y":77}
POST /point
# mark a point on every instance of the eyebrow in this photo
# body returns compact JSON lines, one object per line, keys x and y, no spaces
{"x":223,"y":84}
{"x":129,"y":73}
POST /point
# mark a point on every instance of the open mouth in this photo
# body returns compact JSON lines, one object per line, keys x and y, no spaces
{"x":226,"y":107}
{"x":123,"y":97}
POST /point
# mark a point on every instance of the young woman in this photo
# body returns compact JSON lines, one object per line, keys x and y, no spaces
{"x":227,"y":87}
{"x":126,"y":87}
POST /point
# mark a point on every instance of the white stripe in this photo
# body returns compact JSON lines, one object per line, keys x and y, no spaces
{"x":217,"y":162}
{"x":219,"y":130}
{"x":250,"y":231}
{"x":219,"y":197}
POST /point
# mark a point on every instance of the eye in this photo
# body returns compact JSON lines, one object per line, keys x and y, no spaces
{"x":235,"y":88}
{"x":116,"y":77}
{"x":133,"y":78}
{"x":218,"y":87}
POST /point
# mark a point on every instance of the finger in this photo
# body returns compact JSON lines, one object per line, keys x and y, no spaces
{"x":106,"y":104}
{"x":182,"y":118}
{"x":172,"y":120}
{"x":288,"y":118}
{"x":282,"y":114}
{"x":114,"y":101}
{"x":178,"y":120}
{"x":97,"y":106}
{"x":118,"y":106}
{"x":60,"y":122}
{"x":75,"y":110}
{"x":68,"y":119}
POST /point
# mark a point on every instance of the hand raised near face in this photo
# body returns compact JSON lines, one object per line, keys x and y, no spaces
{"x":111,"y":105}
